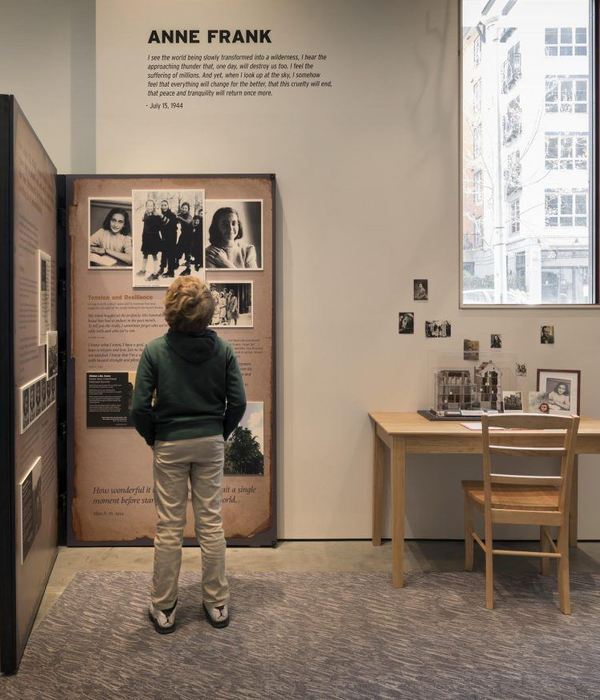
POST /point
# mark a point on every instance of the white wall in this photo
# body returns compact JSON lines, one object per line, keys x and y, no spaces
{"x":368,"y":196}
{"x":47,"y":52}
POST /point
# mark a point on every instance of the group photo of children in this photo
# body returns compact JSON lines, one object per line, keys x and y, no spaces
{"x":233,"y":304}
{"x":168,"y":239}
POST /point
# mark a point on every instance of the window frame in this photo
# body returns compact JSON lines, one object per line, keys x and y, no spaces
{"x":563,"y":80}
{"x":561,"y":138}
{"x":573,"y":44}
{"x":593,"y":94}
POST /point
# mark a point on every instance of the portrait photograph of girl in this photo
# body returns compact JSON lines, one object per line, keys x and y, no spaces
{"x":234,"y":234}
{"x":561,"y":388}
{"x":110,"y":234}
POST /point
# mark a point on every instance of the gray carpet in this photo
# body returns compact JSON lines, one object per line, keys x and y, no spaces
{"x":319,"y":635}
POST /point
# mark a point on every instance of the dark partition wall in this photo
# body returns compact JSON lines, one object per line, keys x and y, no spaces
{"x":29,"y":378}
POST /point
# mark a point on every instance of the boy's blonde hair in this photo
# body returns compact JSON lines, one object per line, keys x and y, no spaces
{"x":189,"y":305}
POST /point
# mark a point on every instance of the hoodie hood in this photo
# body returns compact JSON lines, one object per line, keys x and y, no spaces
{"x":193,"y":347}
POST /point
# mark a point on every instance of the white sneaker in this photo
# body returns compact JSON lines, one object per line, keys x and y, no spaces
{"x":163,"y":620}
{"x":217,"y":615}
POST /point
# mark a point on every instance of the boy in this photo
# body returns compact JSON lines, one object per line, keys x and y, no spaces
{"x":199,"y":401}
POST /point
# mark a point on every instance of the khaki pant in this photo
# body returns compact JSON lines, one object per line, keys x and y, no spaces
{"x":199,"y":461}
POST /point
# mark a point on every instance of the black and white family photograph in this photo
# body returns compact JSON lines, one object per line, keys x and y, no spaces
{"x":244,"y":449}
{"x":471,"y":349}
{"x":110,"y":244}
{"x":513,"y":400}
{"x":168,"y":236}
{"x":420,"y":290}
{"x":438,"y":329}
{"x":51,"y":354}
{"x":547,"y":335}
{"x":233,"y":304}
{"x":235,"y":234}
{"x":44,"y":295}
{"x":36,"y":397}
{"x":406,"y":322}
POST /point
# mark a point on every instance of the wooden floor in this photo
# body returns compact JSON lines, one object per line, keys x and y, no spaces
{"x":339,"y":555}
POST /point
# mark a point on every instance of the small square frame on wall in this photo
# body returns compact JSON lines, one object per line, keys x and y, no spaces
{"x":568,"y":399}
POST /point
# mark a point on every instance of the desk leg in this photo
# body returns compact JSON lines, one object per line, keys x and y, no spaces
{"x":378,"y":455}
{"x":574,"y":510}
{"x":398,"y":464}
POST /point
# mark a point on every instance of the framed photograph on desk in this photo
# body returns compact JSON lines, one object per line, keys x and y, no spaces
{"x":561,"y":388}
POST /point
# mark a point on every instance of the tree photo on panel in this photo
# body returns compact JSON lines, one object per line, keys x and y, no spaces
{"x":527,"y":139}
{"x":243,"y":454}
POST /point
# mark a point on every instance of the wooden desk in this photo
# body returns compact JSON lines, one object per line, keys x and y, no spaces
{"x":410,"y":433}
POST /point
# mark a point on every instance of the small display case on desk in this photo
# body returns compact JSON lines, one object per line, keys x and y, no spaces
{"x":465,"y":393}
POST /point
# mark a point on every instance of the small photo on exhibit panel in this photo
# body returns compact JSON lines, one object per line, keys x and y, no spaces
{"x":44,"y":295}
{"x":35,"y":397}
{"x":30,"y":506}
{"x":168,"y":236}
{"x":235,"y":234}
{"x":234,"y":304}
{"x":109,"y":232}
{"x":244,"y":449}
{"x":51,"y":354}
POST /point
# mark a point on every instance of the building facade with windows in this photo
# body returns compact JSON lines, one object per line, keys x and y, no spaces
{"x":527,"y":115}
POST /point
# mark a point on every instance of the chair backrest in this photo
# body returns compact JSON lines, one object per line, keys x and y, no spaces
{"x":530,"y":435}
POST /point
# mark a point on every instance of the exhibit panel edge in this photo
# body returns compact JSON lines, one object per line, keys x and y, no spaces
{"x":20,"y":598}
{"x":8,"y":636}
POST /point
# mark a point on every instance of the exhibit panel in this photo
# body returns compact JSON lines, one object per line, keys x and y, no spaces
{"x":130,"y":237}
{"x":29,"y":378}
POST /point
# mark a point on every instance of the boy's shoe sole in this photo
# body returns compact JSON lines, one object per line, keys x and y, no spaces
{"x":214,"y":623}
{"x":158,"y":628}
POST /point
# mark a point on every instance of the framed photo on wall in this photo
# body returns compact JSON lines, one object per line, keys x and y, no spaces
{"x":561,"y":388}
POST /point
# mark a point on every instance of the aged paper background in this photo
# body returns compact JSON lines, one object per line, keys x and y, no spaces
{"x":111,"y":476}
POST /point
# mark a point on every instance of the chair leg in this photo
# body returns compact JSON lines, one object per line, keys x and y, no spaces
{"x":563,"y":571}
{"x":468,"y":536}
{"x":545,"y":547}
{"x":489,"y":567}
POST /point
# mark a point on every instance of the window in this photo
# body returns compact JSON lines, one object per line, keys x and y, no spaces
{"x":511,"y":122}
{"x":566,"y":151}
{"x":477,"y":141}
{"x":478,"y":186}
{"x":478,"y":232}
{"x":566,"y":41}
{"x":477,"y":97}
{"x":564,"y":275}
{"x":515,"y":217}
{"x":477,"y":50}
{"x":566,"y":208}
{"x":529,"y":188}
{"x":511,"y":68}
{"x":516,"y":272}
{"x":566,"y":93}
{"x":512,"y":174}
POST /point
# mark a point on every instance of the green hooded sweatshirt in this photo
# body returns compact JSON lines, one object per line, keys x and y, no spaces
{"x":198,"y":384}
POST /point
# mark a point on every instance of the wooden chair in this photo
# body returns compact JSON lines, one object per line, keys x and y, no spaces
{"x":524,"y":500}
